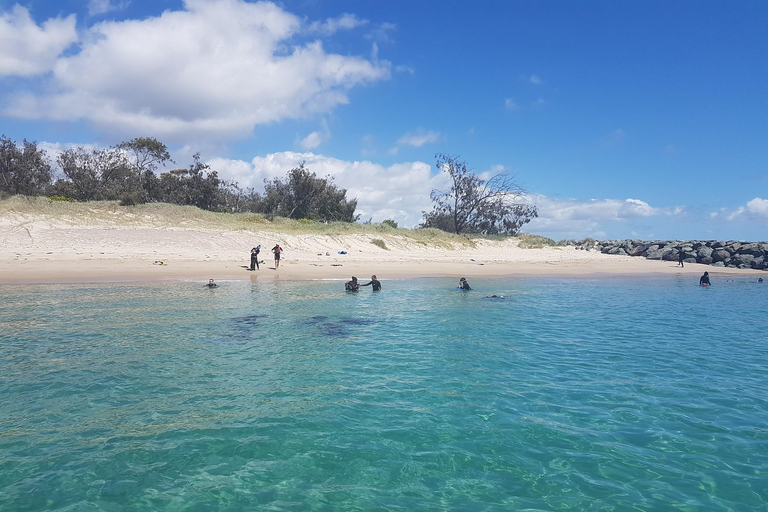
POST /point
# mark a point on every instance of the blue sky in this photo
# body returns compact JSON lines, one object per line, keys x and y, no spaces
{"x":622,"y":119}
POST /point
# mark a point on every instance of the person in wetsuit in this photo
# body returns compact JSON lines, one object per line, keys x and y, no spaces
{"x":211,"y":284}
{"x":352,"y":286}
{"x":255,"y":257}
{"x":277,"y":250}
{"x":704,"y":280}
{"x":374,"y":283}
{"x":464,"y":285}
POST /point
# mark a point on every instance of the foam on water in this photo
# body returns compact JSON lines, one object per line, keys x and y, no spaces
{"x":581,"y":394}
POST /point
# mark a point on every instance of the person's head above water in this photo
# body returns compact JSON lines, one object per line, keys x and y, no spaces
{"x":210,"y":281}
{"x":706,"y":273}
{"x":354,"y":278}
{"x":373,"y":276}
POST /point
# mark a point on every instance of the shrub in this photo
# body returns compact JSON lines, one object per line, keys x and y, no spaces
{"x":378,"y":242}
{"x":389,"y":222}
{"x":61,"y":198}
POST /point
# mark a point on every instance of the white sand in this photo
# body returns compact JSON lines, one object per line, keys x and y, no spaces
{"x":40,"y":249}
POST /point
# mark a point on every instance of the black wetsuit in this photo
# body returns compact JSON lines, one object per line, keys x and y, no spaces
{"x":704,"y":280}
{"x":352,"y":286}
{"x":212,"y":285}
{"x":465,"y":285}
{"x":376,"y":285}
{"x":255,"y":259}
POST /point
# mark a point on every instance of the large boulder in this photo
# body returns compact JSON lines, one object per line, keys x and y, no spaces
{"x":638,"y":250}
{"x":753,"y":249}
{"x":655,"y":254}
{"x":718,"y":264}
{"x":705,"y":252}
{"x":717,"y":245}
{"x":721,"y":255}
{"x":743,"y":260}
{"x":670,"y":255}
{"x":733,"y":247}
{"x":706,"y":260}
{"x":617,"y":251}
{"x":758,"y":263}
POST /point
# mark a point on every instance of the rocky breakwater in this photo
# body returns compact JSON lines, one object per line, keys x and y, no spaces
{"x":708,"y":252}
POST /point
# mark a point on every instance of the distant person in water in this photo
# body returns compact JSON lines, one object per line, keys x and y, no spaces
{"x":759,"y":279}
{"x":680,"y":258}
{"x":255,"y":257}
{"x":704,"y":280}
{"x":374,"y":283}
{"x":352,"y":286}
{"x":277,"y":250}
{"x":211,"y":284}
{"x":463,"y":284}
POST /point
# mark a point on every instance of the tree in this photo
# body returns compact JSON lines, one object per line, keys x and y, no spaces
{"x":24,"y":170}
{"x":302,"y":195}
{"x":196,"y":186}
{"x":475,"y":205}
{"x":99,"y":174}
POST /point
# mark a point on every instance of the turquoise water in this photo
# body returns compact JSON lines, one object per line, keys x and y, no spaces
{"x":578,"y":394}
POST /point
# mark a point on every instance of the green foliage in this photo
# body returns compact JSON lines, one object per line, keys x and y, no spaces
{"x":378,"y":242}
{"x":302,"y":195}
{"x":477,"y":206}
{"x":61,"y":199}
{"x":389,"y":222}
{"x":528,"y":241}
{"x":23,"y":170}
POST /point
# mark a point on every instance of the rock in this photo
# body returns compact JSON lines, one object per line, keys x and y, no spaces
{"x":690,"y":260}
{"x":718,"y":264}
{"x":717,"y":245}
{"x":721,"y":255}
{"x":758,"y":263}
{"x":638,"y":250}
{"x":743,"y":260}
{"x":706,"y":260}
{"x":655,"y":254}
{"x":705,"y":252}
{"x":753,"y":249}
{"x":670,"y":255}
{"x":617,"y":250}
{"x":733,"y":247}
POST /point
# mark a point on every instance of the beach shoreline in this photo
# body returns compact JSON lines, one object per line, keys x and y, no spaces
{"x":47,"y":243}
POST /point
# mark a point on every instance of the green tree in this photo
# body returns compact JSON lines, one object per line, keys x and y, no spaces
{"x":475,"y":205}
{"x":302,"y":195}
{"x":196,"y":186}
{"x":23,"y":170}
{"x":99,"y":174}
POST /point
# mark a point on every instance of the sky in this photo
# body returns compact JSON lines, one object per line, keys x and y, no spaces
{"x":634,"y":119}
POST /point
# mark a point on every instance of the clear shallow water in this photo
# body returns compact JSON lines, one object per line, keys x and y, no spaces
{"x":579,"y":394}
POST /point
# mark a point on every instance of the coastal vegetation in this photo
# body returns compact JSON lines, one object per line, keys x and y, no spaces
{"x":129,"y":174}
{"x":477,"y":206}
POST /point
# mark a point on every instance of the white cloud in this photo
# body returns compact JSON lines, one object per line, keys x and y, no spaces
{"x":96,"y":7}
{"x":754,"y":210}
{"x":380,"y":33}
{"x":510,"y":104}
{"x":399,"y":192}
{"x":27,"y":49}
{"x":758,"y":206}
{"x":211,"y":71}
{"x":333,"y":25}
{"x":419,"y":138}
{"x":535,"y":80}
{"x":570,"y":218}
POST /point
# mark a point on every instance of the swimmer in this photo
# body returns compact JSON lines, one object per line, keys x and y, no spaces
{"x":463,"y":284}
{"x":759,"y":279}
{"x":704,"y":280}
{"x":374,"y":284}
{"x":211,"y":284}
{"x":494,"y":297}
{"x":352,"y":286}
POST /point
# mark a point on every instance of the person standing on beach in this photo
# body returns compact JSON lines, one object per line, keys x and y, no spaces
{"x":277,"y":250}
{"x":704,"y":280}
{"x":374,"y":284}
{"x":680,"y":258}
{"x":255,"y":257}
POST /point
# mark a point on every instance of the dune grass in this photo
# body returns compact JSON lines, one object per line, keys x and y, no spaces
{"x":162,"y":215}
{"x":528,"y":241}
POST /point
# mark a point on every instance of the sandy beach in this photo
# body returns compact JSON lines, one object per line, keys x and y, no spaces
{"x":107,"y":243}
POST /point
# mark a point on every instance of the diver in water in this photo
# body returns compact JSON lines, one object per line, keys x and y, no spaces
{"x":704,"y":280}
{"x":211,"y":284}
{"x":373,"y":283}
{"x":464,"y":285}
{"x":352,"y":286}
